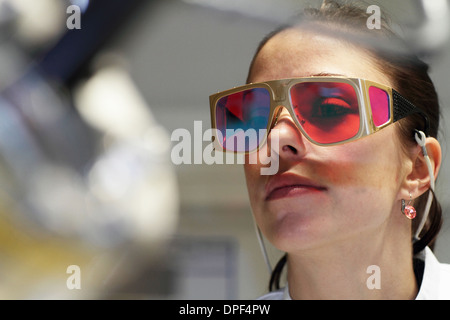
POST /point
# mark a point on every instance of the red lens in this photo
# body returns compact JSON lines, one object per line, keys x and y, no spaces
{"x":379,"y":104}
{"x":327,"y":111}
{"x":240,"y":117}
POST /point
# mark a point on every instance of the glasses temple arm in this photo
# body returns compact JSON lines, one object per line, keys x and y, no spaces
{"x":403,"y":108}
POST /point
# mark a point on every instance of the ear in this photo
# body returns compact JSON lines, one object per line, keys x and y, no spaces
{"x":418,"y":179}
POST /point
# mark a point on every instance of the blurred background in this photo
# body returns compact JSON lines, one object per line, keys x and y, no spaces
{"x":91,"y":91}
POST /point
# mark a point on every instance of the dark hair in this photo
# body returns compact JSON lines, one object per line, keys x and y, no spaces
{"x":409,"y":74}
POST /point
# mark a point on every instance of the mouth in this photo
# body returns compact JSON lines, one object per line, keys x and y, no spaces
{"x":290,"y":185}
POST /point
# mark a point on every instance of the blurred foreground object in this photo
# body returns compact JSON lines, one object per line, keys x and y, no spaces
{"x":89,"y":197}
{"x":433,"y":32}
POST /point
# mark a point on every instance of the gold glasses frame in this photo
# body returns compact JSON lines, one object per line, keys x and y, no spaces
{"x":279,"y":90}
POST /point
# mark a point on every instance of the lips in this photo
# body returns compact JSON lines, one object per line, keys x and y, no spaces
{"x":290,"y":185}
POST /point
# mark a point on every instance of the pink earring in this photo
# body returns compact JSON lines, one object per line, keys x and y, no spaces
{"x":408,"y":210}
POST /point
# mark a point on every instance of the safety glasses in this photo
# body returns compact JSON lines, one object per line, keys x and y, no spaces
{"x":327,"y":110}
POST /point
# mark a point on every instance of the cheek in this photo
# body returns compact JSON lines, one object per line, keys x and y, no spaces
{"x":364,"y":177}
{"x":356,"y":172}
{"x":372,"y":163}
{"x":364,"y":182}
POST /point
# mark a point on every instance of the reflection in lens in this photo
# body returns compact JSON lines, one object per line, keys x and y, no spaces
{"x":379,"y":104}
{"x":241,"y":114}
{"x":327,"y":111}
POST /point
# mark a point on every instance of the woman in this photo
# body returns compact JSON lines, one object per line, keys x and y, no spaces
{"x":348,"y":126}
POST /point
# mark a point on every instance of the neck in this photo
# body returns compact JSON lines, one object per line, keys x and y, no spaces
{"x":365,"y":268}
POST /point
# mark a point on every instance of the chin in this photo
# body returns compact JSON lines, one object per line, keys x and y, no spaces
{"x":294,"y":232}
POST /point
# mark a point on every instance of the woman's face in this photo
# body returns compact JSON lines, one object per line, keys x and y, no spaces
{"x":323,"y":195}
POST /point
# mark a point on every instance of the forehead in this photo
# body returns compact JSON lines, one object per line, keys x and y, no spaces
{"x":297,"y":53}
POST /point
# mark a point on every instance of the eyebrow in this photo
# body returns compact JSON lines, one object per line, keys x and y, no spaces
{"x":326,"y":74}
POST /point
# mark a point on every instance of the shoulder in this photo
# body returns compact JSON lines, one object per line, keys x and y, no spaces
{"x":281,"y":294}
{"x":436,"y":278}
{"x":273,"y":295}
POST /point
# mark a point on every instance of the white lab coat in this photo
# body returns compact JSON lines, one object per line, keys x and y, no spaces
{"x":435,"y":282}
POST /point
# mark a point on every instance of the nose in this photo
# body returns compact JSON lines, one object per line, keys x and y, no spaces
{"x":291,"y":142}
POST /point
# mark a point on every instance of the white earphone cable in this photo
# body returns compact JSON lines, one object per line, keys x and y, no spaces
{"x":263,"y":247}
{"x":420,"y":139}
